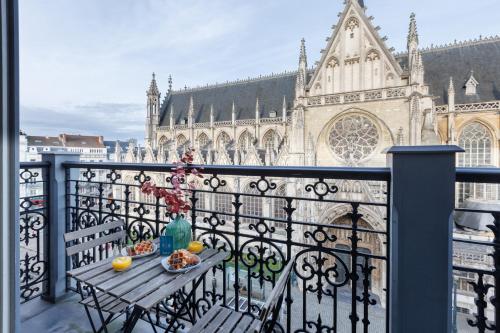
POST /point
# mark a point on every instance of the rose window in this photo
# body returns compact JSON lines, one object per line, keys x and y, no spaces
{"x":353,"y":137}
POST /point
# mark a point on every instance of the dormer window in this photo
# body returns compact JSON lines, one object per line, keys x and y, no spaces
{"x":471,"y":85}
{"x":272,"y":114}
{"x":183,"y":121}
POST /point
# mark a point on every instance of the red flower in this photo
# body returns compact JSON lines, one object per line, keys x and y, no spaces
{"x":176,"y":199}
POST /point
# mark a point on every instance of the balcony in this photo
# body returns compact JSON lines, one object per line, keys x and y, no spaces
{"x":371,"y":245}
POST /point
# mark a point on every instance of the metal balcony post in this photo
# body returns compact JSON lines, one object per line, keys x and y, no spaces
{"x":422,"y":203}
{"x":56,"y":210}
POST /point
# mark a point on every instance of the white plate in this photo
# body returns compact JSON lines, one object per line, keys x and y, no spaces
{"x":125,"y":253}
{"x":164,"y":263}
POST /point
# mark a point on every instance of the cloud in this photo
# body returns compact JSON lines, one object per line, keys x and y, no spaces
{"x":112,"y":120}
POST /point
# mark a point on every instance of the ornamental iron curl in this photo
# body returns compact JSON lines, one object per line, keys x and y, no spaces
{"x":263,"y":185}
{"x":214,"y":182}
{"x":321,"y":188}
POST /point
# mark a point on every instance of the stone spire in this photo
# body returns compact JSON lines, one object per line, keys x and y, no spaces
{"x":139,"y":154}
{"x":415,"y":63}
{"x":191,"y":119}
{"x":412,"y":33}
{"x":169,"y":84}
{"x":283,"y":112}
{"x":451,"y":96}
{"x":257,"y":111}
{"x":300,"y":86}
{"x":118,"y":152}
{"x":153,"y":87}
{"x":257,"y":121}
{"x":211,"y":115}
{"x":172,"y":117}
{"x":152,"y":112}
{"x":267,"y":157}
{"x":233,"y":114}
{"x":191,"y":108}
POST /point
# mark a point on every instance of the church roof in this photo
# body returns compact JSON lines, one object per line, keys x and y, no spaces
{"x":457,"y":61}
{"x":270,"y":91}
{"x":440,"y":64}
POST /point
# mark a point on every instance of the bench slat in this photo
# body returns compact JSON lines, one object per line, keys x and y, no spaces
{"x":230,"y":322}
{"x":243,"y":324}
{"x":71,"y":250}
{"x":72,"y":235}
{"x":217,"y":320}
{"x":205,"y":320}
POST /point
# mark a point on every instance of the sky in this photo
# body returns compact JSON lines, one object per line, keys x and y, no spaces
{"x":85,"y":65}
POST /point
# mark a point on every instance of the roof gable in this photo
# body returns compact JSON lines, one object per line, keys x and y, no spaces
{"x":355,"y":47}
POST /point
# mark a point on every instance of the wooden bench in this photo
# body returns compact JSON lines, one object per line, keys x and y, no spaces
{"x":222,"y":319}
{"x":103,"y":234}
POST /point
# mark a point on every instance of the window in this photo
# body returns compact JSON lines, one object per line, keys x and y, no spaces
{"x":223,"y":204}
{"x":278,"y":208}
{"x":222,"y":140}
{"x":476,"y":140}
{"x":252,"y":205}
{"x":202,"y":140}
{"x":353,"y":137}
{"x":245,"y":141}
{"x":181,"y":140}
{"x":271,"y":140}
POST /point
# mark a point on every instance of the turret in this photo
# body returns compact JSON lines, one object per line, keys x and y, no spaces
{"x":300,"y":85}
{"x":415,"y":63}
{"x":152,"y":112}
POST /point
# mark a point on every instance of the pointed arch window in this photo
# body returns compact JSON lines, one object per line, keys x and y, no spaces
{"x":203,"y":140}
{"x":223,"y":140}
{"x":245,"y":141}
{"x":181,"y":140}
{"x":477,"y":142}
{"x":271,"y":140}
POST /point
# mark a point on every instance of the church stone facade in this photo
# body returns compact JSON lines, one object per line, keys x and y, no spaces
{"x":359,"y":99}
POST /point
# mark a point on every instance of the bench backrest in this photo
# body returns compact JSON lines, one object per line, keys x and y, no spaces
{"x":115,"y":228}
{"x":272,"y":306}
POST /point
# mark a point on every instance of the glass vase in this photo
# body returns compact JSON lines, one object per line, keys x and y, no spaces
{"x":179,"y":231}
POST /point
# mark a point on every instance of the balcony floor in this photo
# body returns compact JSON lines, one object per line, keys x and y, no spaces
{"x":68,"y":316}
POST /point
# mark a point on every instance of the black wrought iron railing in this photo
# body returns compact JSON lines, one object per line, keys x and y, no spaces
{"x":33,"y":227}
{"x":333,"y":219}
{"x":476,"y":250}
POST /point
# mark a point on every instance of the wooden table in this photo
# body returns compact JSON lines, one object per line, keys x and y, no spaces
{"x":141,"y":287}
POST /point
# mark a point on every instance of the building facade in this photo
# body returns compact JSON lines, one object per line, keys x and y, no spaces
{"x":359,"y":99}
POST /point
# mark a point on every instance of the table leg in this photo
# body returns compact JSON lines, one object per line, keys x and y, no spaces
{"x":185,"y":302}
{"x":132,"y":320}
